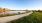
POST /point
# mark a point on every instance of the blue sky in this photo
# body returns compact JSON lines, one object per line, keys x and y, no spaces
{"x":21,"y":4}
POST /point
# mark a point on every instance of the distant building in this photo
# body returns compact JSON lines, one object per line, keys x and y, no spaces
{"x":4,"y":10}
{"x":1,"y":10}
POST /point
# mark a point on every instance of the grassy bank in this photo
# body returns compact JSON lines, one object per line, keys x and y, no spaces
{"x":36,"y":17}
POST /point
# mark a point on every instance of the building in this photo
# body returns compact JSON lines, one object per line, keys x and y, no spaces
{"x":1,"y":10}
{"x":4,"y":10}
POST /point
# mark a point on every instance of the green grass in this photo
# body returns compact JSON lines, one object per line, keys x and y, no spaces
{"x":36,"y":17}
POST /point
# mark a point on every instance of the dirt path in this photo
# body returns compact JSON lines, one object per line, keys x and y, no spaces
{"x":10,"y":18}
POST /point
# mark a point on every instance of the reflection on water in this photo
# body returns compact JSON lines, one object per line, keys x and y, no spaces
{"x":12,"y":12}
{"x":17,"y":11}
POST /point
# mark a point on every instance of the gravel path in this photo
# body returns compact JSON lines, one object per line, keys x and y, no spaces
{"x":10,"y":18}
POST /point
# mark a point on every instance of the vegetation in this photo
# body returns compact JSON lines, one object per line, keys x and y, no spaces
{"x":36,"y":17}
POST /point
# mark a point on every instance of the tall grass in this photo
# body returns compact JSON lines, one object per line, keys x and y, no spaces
{"x":36,"y":17}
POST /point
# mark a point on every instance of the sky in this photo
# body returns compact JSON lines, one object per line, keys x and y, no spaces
{"x":21,"y":4}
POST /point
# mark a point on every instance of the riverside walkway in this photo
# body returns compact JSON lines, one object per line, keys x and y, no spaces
{"x":10,"y":18}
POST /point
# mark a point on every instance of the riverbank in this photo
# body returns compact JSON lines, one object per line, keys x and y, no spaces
{"x":10,"y":18}
{"x":36,"y":17}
